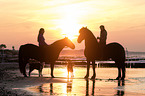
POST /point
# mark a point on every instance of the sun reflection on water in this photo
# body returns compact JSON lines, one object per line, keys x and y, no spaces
{"x":79,"y":86}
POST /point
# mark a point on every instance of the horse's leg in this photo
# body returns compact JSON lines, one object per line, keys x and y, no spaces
{"x":88,"y":67}
{"x":94,"y":73}
{"x":118,"y":64}
{"x":119,"y":73}
{"x":39,"y":72}
{"x":30,"y":70}
{"x":123,"y":72}
{"x":52,"y":68}
{"x":24,"y":70}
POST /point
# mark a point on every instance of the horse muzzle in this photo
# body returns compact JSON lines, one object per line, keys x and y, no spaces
{"x":73,"y":46}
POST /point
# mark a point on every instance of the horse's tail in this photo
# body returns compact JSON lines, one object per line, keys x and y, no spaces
{"x":21,"y":59}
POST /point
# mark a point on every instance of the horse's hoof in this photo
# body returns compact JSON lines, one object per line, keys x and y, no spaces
{"x":93,"y":77}
{"x":122,"y":78}
{"x":52,"y":76}
{"x":118,"y":78}
{"x":25,"y":76}
{"x":86,"y":76}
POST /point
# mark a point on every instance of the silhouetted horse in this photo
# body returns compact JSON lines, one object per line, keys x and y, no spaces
{"x":92,"y":52}
{"x":48,"y":54}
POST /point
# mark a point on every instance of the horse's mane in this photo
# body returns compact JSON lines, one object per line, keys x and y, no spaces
{"x":90,"y":34}
{"x":56,"y":42}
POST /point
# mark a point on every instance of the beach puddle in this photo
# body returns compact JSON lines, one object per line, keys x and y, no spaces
{"x":138,"y":87}
{"x":61,"y":85}
{"x":75,"y":87}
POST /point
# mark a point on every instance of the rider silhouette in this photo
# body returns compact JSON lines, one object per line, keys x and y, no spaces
{"x":42,"y":43}
{"x":40,"y":38}
{"x":102,"y":39}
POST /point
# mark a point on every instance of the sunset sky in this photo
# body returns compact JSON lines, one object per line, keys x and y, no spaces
{"x":21,"y":20}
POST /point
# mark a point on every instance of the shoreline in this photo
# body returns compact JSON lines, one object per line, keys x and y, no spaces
{"x":99,"y":64}
{"x":7,"y":78}
{"x":13,"y":83}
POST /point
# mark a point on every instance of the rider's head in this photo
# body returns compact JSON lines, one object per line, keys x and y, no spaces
{"x":102,"y":27}
{"x":41,"y":31}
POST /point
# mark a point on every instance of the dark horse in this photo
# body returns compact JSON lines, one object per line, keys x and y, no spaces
{"x":48,"y":54}
{"x":92,"y":52}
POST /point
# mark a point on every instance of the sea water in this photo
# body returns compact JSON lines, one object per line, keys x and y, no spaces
{"x":104,"y":84}
{"x":78,"y":55}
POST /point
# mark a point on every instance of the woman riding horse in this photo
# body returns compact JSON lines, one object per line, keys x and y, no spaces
{"x":49,"y":54}
{"x":92,"y":52}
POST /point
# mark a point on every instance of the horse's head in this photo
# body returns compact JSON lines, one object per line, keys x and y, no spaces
{"x":83,"y":33}
{"x":69,"y":43}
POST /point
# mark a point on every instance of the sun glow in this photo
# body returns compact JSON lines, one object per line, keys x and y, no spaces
{"x":70,"y":28}
{"x":69,"y":23}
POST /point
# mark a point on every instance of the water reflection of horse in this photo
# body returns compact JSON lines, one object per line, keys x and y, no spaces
{"x":48,"y":54}
{"x":112,"y":51}
{"x":87,"y":87}
{"x":121,"y":83}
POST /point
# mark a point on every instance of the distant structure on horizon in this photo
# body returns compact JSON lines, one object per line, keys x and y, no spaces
{"x":13,"y":48}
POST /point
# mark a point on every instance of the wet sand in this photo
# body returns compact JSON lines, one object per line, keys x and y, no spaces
{"x":13,"y":83}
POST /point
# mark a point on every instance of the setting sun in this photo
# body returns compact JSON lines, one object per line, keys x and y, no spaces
{"x":69,"y":28}
{"x":69,"y":23}
{"x":62,"y":18}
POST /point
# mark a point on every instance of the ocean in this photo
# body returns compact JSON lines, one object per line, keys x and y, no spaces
{"x":104,"y":84}
{"x":79,"y":54}
{"x":133,"y":59}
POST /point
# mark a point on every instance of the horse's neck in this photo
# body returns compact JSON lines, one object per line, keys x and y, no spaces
{"x":57,"y":46}
{"x":91,"y":41}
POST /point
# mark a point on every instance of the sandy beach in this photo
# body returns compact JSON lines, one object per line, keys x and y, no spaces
{"x":13,"y":83}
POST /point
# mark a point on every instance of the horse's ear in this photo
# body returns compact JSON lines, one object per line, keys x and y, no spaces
{"x":86,"y":27}
{"x":66,"y":37}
